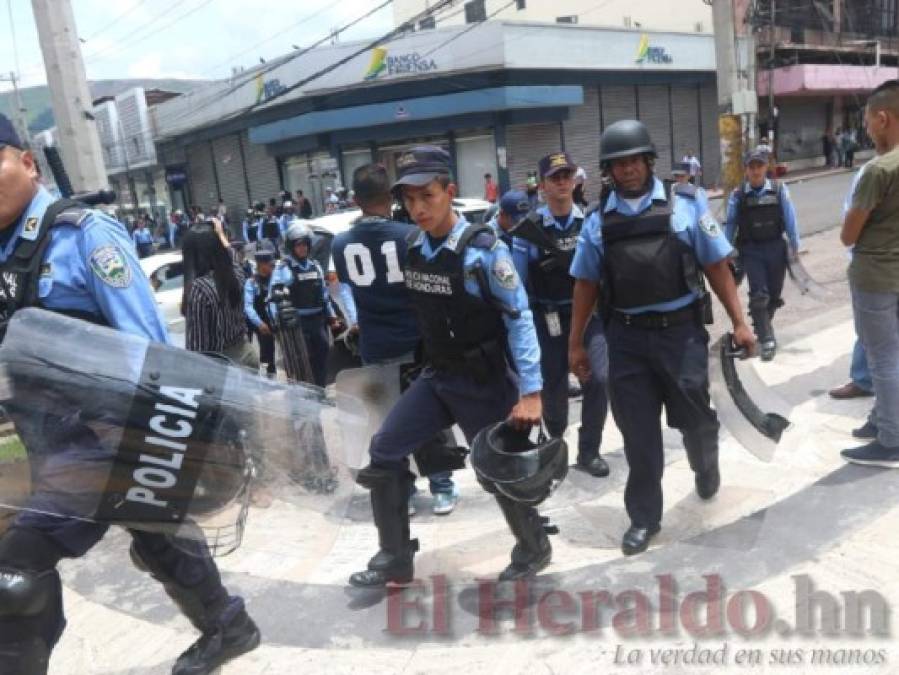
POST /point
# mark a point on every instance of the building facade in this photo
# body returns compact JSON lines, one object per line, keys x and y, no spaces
{"x":498,"y":98}
{"x":817,"y":62}
{"x":688,"y":16}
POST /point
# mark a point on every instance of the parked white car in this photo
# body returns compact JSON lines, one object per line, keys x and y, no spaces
{"x":335,"y":223}
{"x":166,"y":274}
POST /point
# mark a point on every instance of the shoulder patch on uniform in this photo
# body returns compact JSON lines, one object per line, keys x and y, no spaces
{"x":505,"y":274}
{"x":108,"y":262}
{"x":709,"y":225}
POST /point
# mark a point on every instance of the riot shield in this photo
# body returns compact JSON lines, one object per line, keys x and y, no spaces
{"x":116,"y":429}
{"x":375,"y":389}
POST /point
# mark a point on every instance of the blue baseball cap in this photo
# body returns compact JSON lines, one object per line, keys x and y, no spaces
{"x":757,"y":155}
{"x":515,"y":204}
{"x":680,"y":169}
{"x":422,"y":164}
{"x":557,"y":161}
{"x":8,"y":135}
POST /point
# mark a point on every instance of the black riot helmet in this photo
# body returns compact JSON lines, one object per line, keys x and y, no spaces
{"x":507,"y":460}
{"x":623,"y":139}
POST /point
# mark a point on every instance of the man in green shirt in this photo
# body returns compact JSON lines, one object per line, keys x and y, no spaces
{"x":872,"y":227}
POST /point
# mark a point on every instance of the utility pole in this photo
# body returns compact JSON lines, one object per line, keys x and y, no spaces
{"x":772,"y":40}
{"x":79,"y":141}
{"x":19,"y":108}
{"x":733,"y":99}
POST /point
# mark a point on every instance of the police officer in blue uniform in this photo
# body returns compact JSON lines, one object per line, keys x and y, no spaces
{"x":288,"y":215}
{"x":65,"y":257}
{"x":255,"y":292}
{"x":251,"y":224}
{"x":648,"y":254}
{"x":514,"y":205}
{"x":759,"y":214}
{"x":472,"y":310}
{"x":543,"y":265}
{"x":142,"y":238}
{"x":304,"y":279}
{"x":369,"y":259}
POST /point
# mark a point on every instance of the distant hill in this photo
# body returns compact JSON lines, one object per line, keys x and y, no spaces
{"x":40,"y":113}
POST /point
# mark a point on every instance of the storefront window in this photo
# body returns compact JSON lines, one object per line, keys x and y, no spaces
{"x":475,"y":157}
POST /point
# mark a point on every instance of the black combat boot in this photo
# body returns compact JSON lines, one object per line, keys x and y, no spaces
{"x":390,"y":509}
{"x":702,"y":453}
{"x":226,"y":629}
{"x":761,"y":315}
{"x":592,"y":463}
{"x":532,"y":550}
{"x":218,"y":645}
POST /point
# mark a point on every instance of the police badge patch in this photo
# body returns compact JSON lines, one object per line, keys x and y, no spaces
{"x":505,"y":274}
{"x":30,"y":225}
{"x":108,"y":263}
{"x":709,"y":225}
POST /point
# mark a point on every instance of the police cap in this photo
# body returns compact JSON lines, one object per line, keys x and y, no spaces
{"x":421,"y":165}
{"x":8,"y":135}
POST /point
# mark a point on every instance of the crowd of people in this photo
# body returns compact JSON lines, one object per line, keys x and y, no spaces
{"x":483,"y":323}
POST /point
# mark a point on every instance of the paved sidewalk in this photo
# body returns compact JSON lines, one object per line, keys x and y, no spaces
{"x":805,"y":517}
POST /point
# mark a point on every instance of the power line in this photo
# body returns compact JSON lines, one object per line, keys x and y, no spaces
{"x":218,"y":96}
{"x":231,"y":58}
{"x":470,"y":28}
{"x":115,"y":20}
{"x":367,"y":47}
{"x":117,"y":45}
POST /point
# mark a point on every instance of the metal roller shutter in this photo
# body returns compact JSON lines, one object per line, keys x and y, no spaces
{"x":582,"y":139}
{"x":685,"y":119}
{"x":202,"y":180}
{"x":526,"y":145}
{"x":262,"y":171}
{"x":231,"y":174}
{"x":618,"y":103}
{"x":711,"y":144}
{"x":654,"y":114}
{"x":801,"y":124}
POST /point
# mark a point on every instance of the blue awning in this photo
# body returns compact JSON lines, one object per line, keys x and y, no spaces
{"x":495,"y":99}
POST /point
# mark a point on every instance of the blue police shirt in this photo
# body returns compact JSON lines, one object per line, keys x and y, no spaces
{"x":369,"y":259}
{"x":283,"y":276}
{"x":257,"y":224}
{"x":284,"y":222}
{"x":92,"y":267}
{"x":504,"y":236}
{"x":524,"y":252}
{"x":786,"y":204}
{"x":141,"y":235}
{"x":690,"y":221}
{"x":506,"y":287}
{"x":251,"y":291}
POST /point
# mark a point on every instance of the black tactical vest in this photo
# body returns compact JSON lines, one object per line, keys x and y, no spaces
{"x":271,"y":229}
{"x":549,"y":274}
{"x":644,"y":261}
{"x":456,"y":327}
{"x":307,"y":287}
{"x":21,"y":273}
{"x":252,"y":232}
{"x":759,"y":216}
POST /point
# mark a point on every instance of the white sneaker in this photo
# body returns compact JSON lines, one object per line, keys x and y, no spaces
{"x":445,"y":502}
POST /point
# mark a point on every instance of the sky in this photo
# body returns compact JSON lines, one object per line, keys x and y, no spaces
{"x":182,"y":38}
